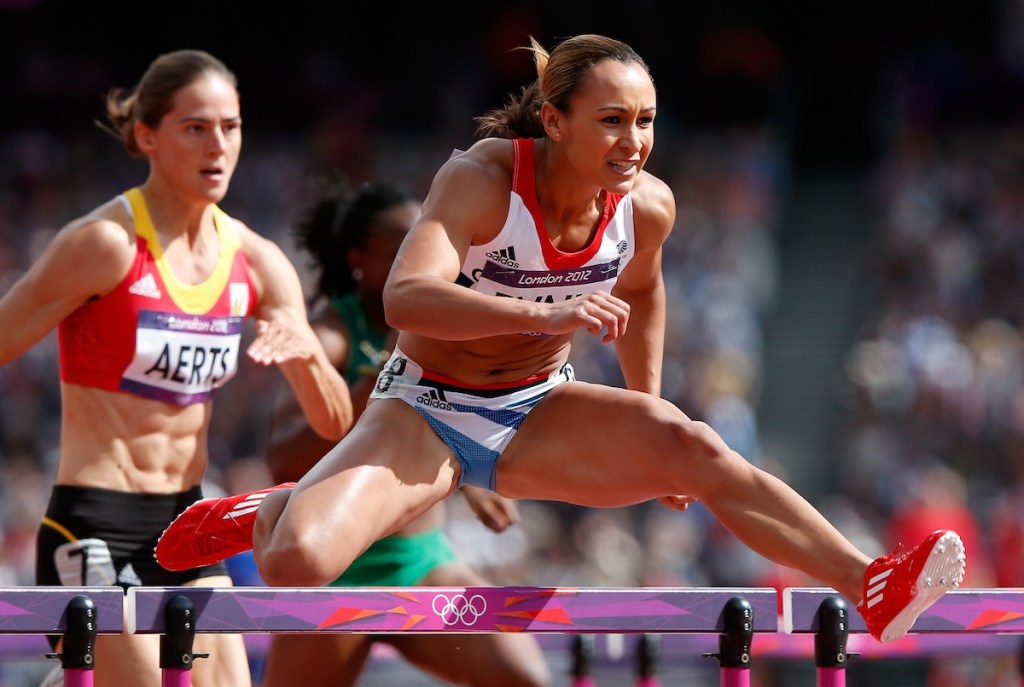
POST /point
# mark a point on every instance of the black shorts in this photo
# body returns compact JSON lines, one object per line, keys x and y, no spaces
{"x":99,"y":537}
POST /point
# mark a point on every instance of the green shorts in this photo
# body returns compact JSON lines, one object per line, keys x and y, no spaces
{"x":398,"y":561}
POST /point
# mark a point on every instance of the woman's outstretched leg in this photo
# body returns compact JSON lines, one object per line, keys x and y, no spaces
{"x":601,"y":446}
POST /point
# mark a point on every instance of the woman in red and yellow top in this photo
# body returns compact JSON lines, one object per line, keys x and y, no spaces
{"x":150,"y":293}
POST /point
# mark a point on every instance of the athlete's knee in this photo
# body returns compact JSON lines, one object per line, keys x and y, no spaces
{"x":291,"y":562}
{"x":267,"y":517}
{"x":707,"y":464}
{"x":288,"y":554}
{"x":297,"y":556}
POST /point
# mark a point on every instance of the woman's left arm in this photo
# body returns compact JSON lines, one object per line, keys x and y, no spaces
{"x":641,"y":348}
{"x":284,"y":337}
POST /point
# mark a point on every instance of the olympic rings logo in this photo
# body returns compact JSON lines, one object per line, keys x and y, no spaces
{"x":459,"y":608}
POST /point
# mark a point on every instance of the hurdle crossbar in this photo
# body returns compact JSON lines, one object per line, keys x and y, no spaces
{"x":980,"y":610}
{"x":467,"y":610}
{"x":43,"y":610}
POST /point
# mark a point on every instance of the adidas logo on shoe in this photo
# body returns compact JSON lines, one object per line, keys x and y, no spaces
{"x":211,"y":530}
{"x":249,"y":505}
{"x":877,"y":588}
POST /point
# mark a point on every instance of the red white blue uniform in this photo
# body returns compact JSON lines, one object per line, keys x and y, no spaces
{"x":478,"y":422}
{"x":521,"y":262}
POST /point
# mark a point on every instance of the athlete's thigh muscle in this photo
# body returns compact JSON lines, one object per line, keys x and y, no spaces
{"x":392,"y":435}
{"x":595,"y":445}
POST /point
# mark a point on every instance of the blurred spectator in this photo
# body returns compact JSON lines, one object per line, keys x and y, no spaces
{"x":937,"y":499}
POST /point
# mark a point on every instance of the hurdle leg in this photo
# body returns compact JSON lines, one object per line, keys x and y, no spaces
{"x":79,"y":643}
{"x":734,"y":643}
{"x":647,"y":661}
{"x":176,"y":643}
{"x":1020,"y":663}
{"x":583,"y":648}
{"x":830,"y":643}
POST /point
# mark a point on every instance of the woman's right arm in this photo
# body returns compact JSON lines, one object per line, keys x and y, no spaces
{"x":467,"y":204}
{"x":285,"y":338}
{"x":294,"y":447}
{"x":85,"y":259}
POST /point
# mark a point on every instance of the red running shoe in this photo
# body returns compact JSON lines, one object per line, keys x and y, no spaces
{"x":900,"y":586}
{"x":211,"y":530}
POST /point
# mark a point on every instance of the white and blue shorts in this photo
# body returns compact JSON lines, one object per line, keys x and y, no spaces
{"x":476,"y":423}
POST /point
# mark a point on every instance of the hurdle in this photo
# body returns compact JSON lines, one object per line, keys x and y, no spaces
{"x":76,"y":614}
{"x":831,"y":618}
{"x":965,"y":622}
{"x":735,"y":614}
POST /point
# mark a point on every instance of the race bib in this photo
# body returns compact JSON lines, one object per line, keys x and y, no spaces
{"x":183,"y":359}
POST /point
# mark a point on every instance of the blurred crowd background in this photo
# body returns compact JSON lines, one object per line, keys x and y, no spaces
{"x":845,"y":278}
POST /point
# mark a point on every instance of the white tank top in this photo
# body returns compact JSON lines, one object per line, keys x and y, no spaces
{"x":521,"y":262}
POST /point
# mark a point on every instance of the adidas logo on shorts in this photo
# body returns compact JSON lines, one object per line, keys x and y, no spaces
{"x":435,"y":399}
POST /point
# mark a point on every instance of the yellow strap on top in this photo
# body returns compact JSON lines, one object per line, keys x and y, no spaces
{"x":191,"y":299}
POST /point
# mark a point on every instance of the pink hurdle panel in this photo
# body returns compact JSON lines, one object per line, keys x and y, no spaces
{"x":734,"y":614}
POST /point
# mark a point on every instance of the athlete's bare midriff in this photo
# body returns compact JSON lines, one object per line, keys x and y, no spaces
{"x":493,"y":360}
{"x":125,"y":442}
